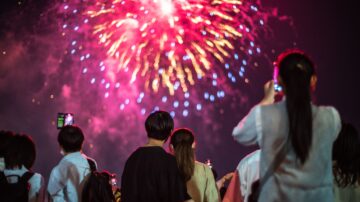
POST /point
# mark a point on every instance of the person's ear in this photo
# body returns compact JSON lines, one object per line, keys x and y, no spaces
{"x":62,"y":152}
{"x":313,"y":82}
{"x":193,"y":145}
{"x":171,"y":147}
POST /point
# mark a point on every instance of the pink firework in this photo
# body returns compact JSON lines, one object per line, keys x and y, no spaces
{"x":164,"y":46}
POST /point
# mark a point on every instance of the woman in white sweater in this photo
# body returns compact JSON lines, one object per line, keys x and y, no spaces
{"x":305,"y":171}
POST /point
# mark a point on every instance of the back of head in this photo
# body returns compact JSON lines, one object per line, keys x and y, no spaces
{"x":97,"y":188}
{"x":294,"y":68}
{"x":21,"y":151}
{"x":182,"y":141}
{"x":296,"y":71}
{"x":5,"y":137}
{"x":346,"y":154}
{"x":71,"y":138}
{"x":159,"y":125}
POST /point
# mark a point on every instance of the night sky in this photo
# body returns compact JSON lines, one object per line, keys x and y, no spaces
{"x":36,"y":80}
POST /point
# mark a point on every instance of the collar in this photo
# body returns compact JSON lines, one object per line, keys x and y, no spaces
{"x":23,"y":169}
{"x":73,"y":155}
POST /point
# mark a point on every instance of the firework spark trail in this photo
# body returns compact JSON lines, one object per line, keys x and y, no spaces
{"x":164,"y":45}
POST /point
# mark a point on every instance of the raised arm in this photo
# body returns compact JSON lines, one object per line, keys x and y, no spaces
{"x":246,"y":132}
{"x":249,"y":129}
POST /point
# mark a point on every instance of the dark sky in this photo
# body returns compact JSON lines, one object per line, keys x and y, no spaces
{"x":326,"y":30}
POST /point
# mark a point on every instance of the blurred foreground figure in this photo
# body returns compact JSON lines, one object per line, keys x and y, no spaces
{"x":346,"y":157}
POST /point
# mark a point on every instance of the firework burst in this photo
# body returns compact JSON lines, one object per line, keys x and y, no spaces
{"x":164,"y":47}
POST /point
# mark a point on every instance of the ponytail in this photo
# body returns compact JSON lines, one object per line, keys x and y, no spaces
{"x":182,"y":140}
{"x":296,"y":70}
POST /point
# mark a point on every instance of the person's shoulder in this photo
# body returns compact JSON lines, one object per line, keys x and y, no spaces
{"x":63,"y":161}
{"x":158,"y":151}
{"x":272,"y":108}
{"x":63,"y":165}
{"x":158,"y":154}
{"x":88,"y":161}
{"x":37,"y":180}
{"x":327,"y":111}
{"x":202,"y":166}
{"x":38,"y":176}
{"x":169,"y":157}
{"x":142,"y":152}
{"x":203,"y":170}
{"x":326,"y":108}
{"x":329,"y":116}
{"x":86,"y":157}
{"x":56,"y":170}
{"x":133,"y":156}
{"x":253,"y":157}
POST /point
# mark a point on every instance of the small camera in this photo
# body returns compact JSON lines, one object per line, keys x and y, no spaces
{"x":64,"y":119}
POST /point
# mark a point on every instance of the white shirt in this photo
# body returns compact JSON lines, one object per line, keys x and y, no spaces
{"x":249,"y":171}
{"x":67,"y":179}
{"x":292,"y":181}
{"x":37,"y":187}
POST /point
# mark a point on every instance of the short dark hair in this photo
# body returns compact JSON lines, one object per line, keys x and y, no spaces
{"x":21,"y":151}
{"x":5,"y":137}
{"x":71,"y":138}
{"x":159,"y":125}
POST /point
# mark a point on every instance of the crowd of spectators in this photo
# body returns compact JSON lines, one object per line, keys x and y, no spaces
{"x":305,"y":154}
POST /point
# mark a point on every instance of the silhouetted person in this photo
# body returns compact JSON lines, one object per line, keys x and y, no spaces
{"x":150,"y":173}
{"x":19,"y":158}
{"x":4,"y":141}
{"x":67,"y":179}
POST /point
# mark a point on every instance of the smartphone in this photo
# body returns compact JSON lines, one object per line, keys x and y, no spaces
{"x":64,"y":119}
{"x":277,"y":87}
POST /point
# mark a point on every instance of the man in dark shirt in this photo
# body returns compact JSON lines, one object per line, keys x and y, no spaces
{"x":150,"y":173}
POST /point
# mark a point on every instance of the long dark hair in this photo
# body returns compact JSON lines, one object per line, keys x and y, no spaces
{"x":182,"y":140}
{"x":97,"y":188}
{"x":295,"y":70}
{"x":346,"y":154}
